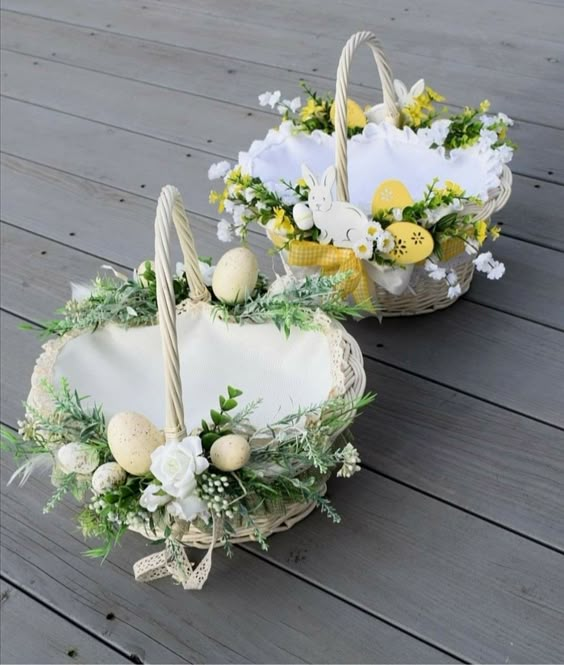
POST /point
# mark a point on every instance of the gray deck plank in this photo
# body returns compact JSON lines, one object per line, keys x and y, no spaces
{"x":397,"y":545}
{"x":494,"y":356}
{"x":473,"y":54}
{"x":31,"y":633}
{"x":531,"y":214}
{"x":484,"y":459}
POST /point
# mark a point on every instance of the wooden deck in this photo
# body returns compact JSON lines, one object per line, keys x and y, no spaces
{"x":452,"y":541}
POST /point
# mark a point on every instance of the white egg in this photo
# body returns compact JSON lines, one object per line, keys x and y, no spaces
{"x":235,"y":276}
{"x":142,"y":269}
{"x":302,"y":216}
{"x":107,"y":477}
{"x":132,"y":438}
{"x":77,"y":457}
{"x":230,"y":452}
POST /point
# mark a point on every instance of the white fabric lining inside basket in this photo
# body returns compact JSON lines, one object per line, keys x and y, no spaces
{"x":122,"y":370}
{"x":380,"y":153}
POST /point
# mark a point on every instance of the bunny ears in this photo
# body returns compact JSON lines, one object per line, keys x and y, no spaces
{"x":327,"y":179}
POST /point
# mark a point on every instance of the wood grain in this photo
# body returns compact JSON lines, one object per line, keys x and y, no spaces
{"x":32,"y":633}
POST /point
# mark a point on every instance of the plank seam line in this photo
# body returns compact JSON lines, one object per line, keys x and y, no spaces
{"x":238,"y":59}
{"x":161,"y":86}
{"x":280,"y":566}
{"x":205,"y":216}
{"x":67,"y":618}
{"x":468,"y":297}
{"x":461,"y":391}
{"x":554,"y":181}
{"x":294,"y":573}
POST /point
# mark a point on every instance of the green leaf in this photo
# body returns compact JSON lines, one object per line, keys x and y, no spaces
{"x":205,"y":426}
{"x":229,"y":404}
{"x":222,"y":401}
{"x":209,"y":438}
{"x":216,"y":417}
{"x":234,"y":392}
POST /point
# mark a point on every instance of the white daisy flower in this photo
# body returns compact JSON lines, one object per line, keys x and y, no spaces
{"x":454,"y":291}
{"x":385,"y":242}
{"x":224,"y":231}
{"x":363,"y":249}
{"x":373,"y":230}
{"x":219,"y":170}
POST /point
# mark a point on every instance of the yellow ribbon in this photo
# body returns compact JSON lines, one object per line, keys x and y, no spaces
{"x":332,"y":260}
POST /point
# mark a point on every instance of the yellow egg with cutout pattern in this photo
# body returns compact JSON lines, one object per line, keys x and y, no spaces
{"x":391,"y":194}
{"x":412,"y":243}
{"x":355,"y":115}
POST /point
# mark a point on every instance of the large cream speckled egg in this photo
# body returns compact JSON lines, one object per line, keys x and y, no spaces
{"x":302,"y":216}
{"x":230,"y":452}
{"x":78,"y":458}
{"x":235,"y":275}
{"x":107,"y":477}
{"x":132,"y":438}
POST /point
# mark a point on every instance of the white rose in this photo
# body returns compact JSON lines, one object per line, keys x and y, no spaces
{"x":153,"y":497}
{"x":189,"y":508}
{"x":176,"y":465}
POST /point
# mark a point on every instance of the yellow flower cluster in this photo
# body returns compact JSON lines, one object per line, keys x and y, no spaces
{"x":311,"y":109}
{"x":281,"y":222}
{"x":421,"y":107}
{"x":482,"y":231}
{"x":236,"y":181}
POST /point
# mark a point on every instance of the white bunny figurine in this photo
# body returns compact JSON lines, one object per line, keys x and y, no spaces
{"x":340,"y":222}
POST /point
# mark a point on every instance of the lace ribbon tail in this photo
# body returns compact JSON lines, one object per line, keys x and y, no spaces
{"x":174,"y":561}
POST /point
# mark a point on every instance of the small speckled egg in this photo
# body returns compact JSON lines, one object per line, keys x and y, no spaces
{"x":78,"y":458}
{"x":142,"y":269}
{"x":132,"y":438}
{"x":107,"y":477}
{"x":235,"y":276}
{"x":230,"y":452}
{"x":302,"y":216}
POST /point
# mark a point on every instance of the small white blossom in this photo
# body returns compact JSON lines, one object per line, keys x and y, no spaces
{"x":228,"y":204}
{"x":434,"y":270}
{"x":487,"y":138}
{"x":249,"y":194}
{"x":224,"y":231}
{"x":385,"y":242}
{"x":497,"y":270}
{"x":188,"y":508}
{"x":505,"y":153}
{"x":207,"y":272}
{"x":261,"y":206}
{"x":435,"y":134}
{"x":505,"y":119}
{"x":219,"y":170}
{"x":454,"y":291}
{"x":483,"y":262}
{"x":270,"y":98}
{"x":398,"y":214}
{"x":351,"y":461}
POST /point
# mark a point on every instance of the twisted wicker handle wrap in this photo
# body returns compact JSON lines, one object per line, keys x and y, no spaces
{"x":170,"y":210}
{"x":390,"y":101}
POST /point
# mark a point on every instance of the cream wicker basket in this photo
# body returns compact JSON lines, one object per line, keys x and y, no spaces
{"x":283,"y":151}
{"x":120,"y":370}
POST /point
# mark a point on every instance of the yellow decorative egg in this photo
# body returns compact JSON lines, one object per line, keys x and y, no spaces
{"x":230,"y":452}
{"x":132,"y":438}
{"x":391,"y":194}
{"x":235,"y":276}
{"x":412,"y":243}
{"x":355,"y":115}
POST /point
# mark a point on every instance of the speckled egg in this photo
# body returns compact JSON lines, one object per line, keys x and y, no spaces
{"x":235,"y":276}
{"x":78,"y":458}
{"x":142,"y":269}
{"x":107,"y":477}
{"x":230,"y":452}
{"x":303,"y":217}
{"x":132,"y":438}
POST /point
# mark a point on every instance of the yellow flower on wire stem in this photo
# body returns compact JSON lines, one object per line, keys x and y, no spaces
{"x":495,"y":232}
{"x":481,"y":231}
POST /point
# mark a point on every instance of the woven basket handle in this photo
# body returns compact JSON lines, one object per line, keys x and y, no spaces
{"x":390,"y":101}
{"x":170,"y":210}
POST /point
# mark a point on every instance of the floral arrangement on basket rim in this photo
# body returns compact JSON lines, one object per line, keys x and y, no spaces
{"x":227,"y":474}
{"x":445,"y":212}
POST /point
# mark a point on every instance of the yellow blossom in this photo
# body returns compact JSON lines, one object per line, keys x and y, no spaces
{"x":281,"y":222}
{"x":301,"y":183}
{"x":214,"y":197}
{"x":484,"y":106}
{"x":434,"y":95}
{"x":481,"y":231}
{"x":453,"y":188}
{"x":310,"y":109}
{"x":495,"y":232}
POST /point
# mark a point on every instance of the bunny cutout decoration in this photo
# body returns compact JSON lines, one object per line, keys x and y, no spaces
{"x":340,"y":222}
